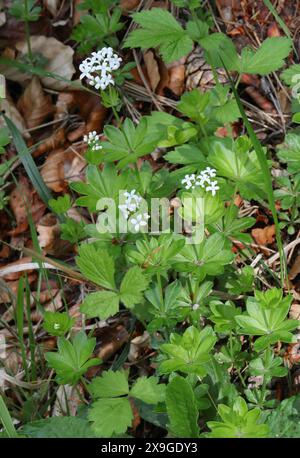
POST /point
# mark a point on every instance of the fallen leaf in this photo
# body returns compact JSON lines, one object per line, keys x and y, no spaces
{"x":152,"y":69}
{"x":109,"y":340}
{"x":9,"y":108}
{"x":295,"y":269}
{"x":23,"y":199}
{"x":176,"y":78}
{"x":34,"y":104}
{"x":264,"y":236}
{"x":60,"y":167}
{"x":59,"y":60}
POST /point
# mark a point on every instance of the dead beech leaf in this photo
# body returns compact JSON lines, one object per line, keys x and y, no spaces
{"x":49,"y":236}
{"x":90,"y":108}
{"x":7,"y":105}
{"x":59,"y":60}
{"x":22,"y":199}
{"x":295,"y":269}
{"x":60,"y":167}
{"x":109,"y":340}
{"x":176,"y":79}
{"x":152,"y":69}
{"x":264,"y":236}
{"x":128,"y":5}
{"x":34,"y":104}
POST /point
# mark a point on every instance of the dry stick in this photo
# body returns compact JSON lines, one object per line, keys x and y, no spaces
{"x":145,"y":82}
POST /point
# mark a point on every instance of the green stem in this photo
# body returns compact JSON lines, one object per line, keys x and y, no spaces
{"x":27,"y":32}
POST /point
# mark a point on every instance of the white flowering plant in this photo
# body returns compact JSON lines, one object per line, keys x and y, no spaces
{"x":179,"y":319}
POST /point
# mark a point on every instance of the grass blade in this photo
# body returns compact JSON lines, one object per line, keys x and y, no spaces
{"x":267,"y":176}
{"x":7,"y":420}
{"x":28,"y":162}
{"x":20,"y":324}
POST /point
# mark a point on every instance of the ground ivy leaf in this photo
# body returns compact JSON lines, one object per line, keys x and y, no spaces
{"x":110,"y":416}
{"x":96,"y":265}
{"x":148,"y":390}
{"x":111,"y":384}
{"x":102,"y":304}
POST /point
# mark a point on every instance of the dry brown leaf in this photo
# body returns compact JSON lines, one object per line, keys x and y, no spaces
{"x":128,"y":5}
{"x":61,"y":166}
{"x":90,"y":109}
{"x":24,"y":199}
{"x":110,"y":339}
{"x":152,"y":69}
{"x":176,"y":79}
{"x":34,"y":104}
{"x":49,"y":236}
{"x":295,"y":269}
{"x":7,"y":105}
{"x":264,"y":236}
{"x":59,"y":60}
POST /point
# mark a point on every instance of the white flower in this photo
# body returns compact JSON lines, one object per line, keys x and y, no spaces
{"x":133,"y":200}
{"x":202,"y":179}
{"x":92,"y":139}
{"x":124,"y":210}
{"x":56,"y":326}
{"x":98,"y":68}
{"x":210,"y":172}
{"x":139,"y":221}
{"x":189,"y":181}
{"x":212,"y":187}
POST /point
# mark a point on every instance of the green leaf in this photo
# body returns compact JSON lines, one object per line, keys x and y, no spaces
{"x":110,"y":416}
{"x":28,"y":162}
{"x":206,"y":258}
{"x":61,"y":205}
{"x":132,"y":286}
{"x":102,"y":304}
{"x":100,"y":184}
{"x":238,"y":422}
{"x":160,"y":29}
{"x":238,"y":162}
{"x":284,"y":421}
{"x":188,"y":353}
{"x":182,"y":409}
{"x":59,"y":427}
{"x":72,"y":359}
{"x":288,"y":152}
{"x":128,"y":143}
{"x":268,"y":58}
{"x":57,"y":323}
{"x":148,"y":390}
{"x":96,"y":265}
{"x":266,"y":317}
{"x":110,"y":385}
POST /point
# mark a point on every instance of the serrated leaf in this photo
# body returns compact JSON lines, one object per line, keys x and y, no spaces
{"x":160,"y":29}
{"x":73,"y":358}
{"x":111,"y":384}
{"x":110,"y":416}
{"x":102,"y":304}
{"x":268,"y":58}
{"x":132,"y":286}
{"x":148,"y":390}
{"x":59,"y":427}
{"x":96,"y":265}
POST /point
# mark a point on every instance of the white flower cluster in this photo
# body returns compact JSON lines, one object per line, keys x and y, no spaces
{"x":92,"y":139}
{"x":98,"y":68}
{"x":132,"y":204}
{"x":203,"y":180}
